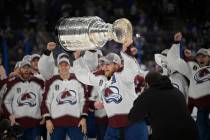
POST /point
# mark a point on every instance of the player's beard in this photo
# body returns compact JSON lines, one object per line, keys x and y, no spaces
{"x":25,"y":76}
{"x":109,"y":73}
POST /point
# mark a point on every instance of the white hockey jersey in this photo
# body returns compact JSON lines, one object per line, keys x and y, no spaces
{"x":39,"y":76}
{"x":47,"y":67}
{"x":100,"y":114}
{"x":177,"y":79}
{"x":64,"y":101}
{"x":23,"y":100}
{"x":118,"y":94}
{"x":180,"y":82}
{"x":199,"y":88}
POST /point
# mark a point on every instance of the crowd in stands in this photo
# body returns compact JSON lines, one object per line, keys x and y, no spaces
{"x":28,"y":25}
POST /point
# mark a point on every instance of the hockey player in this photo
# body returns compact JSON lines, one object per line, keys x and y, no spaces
{"x":100,"y":114}
{"x":101,"y":120}
{"x":22,"y":100}
{"x":177,"y":79}
{"x":34,"y":63}
{"x":46,"y":64}
{"x":118,"y":94}
{"x":34,"y":59}
{"x":198,"y":72}
{"x":64,"y":106}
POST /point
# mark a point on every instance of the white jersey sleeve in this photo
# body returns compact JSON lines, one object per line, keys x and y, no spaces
{"x":177,"y":63}
{"x":81,"y":98}
{"x":8,"y":100}
{"x":130,"y":70}
{"x":84,"y":75}
{"x":46,"y":66}
{"x":143,"y":72}
{"x":2,"y":92}
{"x":49,"y":100}
{"x":179,"y":82}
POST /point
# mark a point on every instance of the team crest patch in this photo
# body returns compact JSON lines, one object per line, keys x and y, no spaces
{"x":27,"y":98}
{"x":56,"y":87}
{"x":111,"y":94}
{"x":202,"y":75}
{"x":67,"y":96}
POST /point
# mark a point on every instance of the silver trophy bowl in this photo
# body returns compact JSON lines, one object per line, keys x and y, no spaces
{"x":86,"y":33}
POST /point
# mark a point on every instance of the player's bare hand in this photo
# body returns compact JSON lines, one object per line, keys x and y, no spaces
{"x":49,"y":126}
{"x":77,"y":54}
{"x":42,"y":121}
{"x":12,"y":120}
{"x":178,"y":37}
{"x":187,"y":53}
{"x":51,"y":46}
{"x":83,"y":125}
{"x":127,"y":43}
{"x":13,"y":74}
{"x":98,"y":105}
{"x":134,"y":51}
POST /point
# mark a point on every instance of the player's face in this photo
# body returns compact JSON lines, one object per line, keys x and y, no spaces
{"x":109,"y":69}
{"x":203,"y":60}
{"x":34,"y":63}
{"x":63,"y":68}
{"x":25,"y":71}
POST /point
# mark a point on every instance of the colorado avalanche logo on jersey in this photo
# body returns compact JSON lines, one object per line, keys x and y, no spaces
{"x":67,"y":96}
{"x":202,"y":75}
{"x":27,"y":98}
{"x":111,"y":94}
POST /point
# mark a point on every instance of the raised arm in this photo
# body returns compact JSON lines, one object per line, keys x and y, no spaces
{"x":46,"y":62}
{"x":83,"y":73}
{"x":131,"y":67}
{"x":174,"y":60}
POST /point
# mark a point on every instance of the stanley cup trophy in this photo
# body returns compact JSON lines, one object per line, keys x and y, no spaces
{"x":85,"y":33}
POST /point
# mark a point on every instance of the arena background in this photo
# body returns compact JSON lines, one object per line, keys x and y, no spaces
{"x":26,"y":26}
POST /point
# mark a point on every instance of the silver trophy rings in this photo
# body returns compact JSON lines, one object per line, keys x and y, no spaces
{"x":85,"y":33}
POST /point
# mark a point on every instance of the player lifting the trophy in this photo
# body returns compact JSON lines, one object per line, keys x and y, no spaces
{"x":118,"y":91}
